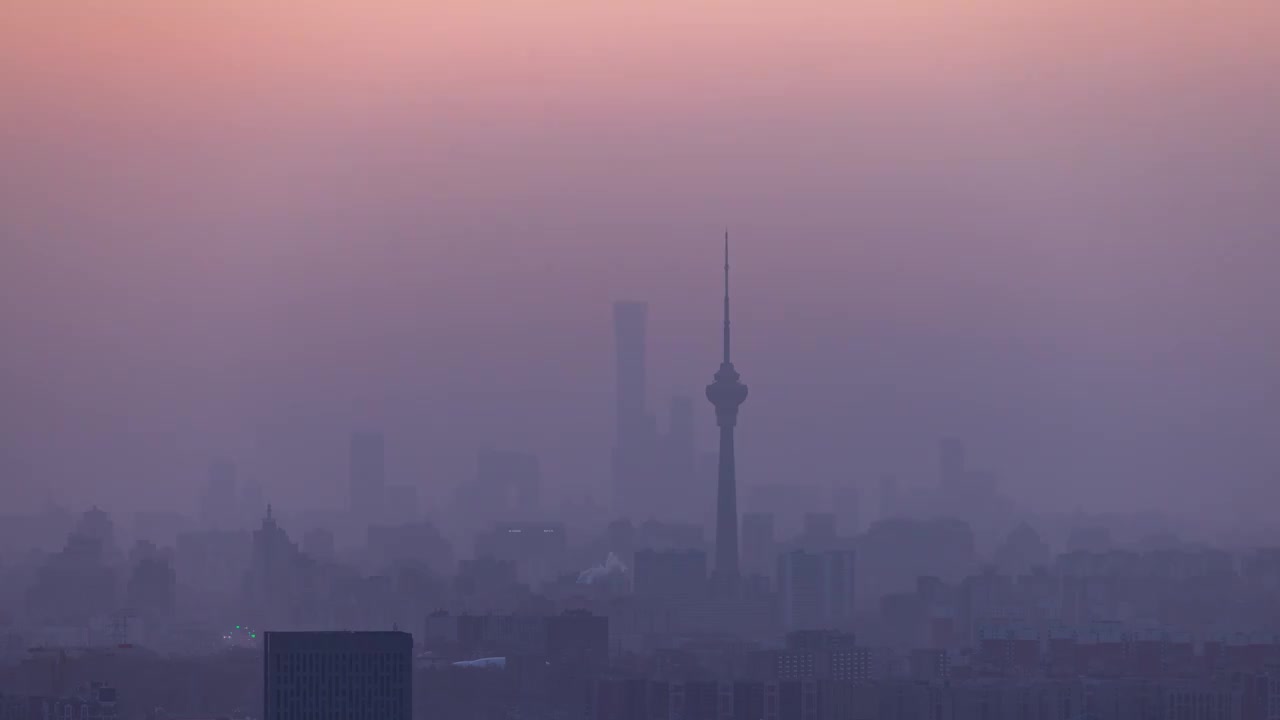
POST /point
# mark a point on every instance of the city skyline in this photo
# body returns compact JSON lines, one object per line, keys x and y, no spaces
{"x":351,"y":354}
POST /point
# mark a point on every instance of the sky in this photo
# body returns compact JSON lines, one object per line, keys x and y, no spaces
{"x":244,"y":229}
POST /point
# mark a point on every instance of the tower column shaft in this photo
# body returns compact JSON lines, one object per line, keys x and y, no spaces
{"x":726,"y":568}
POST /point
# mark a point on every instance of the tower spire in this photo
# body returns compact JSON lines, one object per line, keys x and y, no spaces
{"x":726,"y":297}
{"x":726,"y":393}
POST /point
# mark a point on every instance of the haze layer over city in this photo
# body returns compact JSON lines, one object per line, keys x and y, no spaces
{"x":245,"y":231}
{"x":374,"y":287}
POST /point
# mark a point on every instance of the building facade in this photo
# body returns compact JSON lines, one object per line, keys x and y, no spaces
{"x":338,"y":676}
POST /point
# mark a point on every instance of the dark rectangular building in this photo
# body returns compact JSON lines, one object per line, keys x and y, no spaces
{"x":337,"y":676}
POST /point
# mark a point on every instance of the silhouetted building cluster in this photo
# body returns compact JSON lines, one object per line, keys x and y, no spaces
{"x":653,"y":473}
{"x":96,"y":701}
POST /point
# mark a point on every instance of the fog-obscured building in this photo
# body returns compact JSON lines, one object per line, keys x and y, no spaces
{"x":816,"y":590}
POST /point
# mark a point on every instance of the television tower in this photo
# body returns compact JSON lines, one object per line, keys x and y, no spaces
{"x":726,"y":393}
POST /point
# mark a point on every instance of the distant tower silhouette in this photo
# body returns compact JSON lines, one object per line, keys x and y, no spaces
{"x":726,"y":394}
{"x":635,"y":448}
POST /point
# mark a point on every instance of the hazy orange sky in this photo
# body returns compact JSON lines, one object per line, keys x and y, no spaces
{"x":247,"y":226}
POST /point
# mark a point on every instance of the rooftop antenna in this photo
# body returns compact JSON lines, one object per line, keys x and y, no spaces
{"x":726,"y":297}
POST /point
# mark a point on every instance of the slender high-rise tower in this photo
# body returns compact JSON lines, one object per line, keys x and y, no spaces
{"x":726,"y":393}
{"x":635,"y":447}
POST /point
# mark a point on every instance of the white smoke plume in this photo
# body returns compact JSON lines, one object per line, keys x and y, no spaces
{"x":612,"y":567}
{"x":483,"y":663}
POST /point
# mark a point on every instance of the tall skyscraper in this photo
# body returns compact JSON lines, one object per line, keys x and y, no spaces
{"x":726,"y":393}
{"x":341,"y":675}
{"x":635,"y":448}
{"x":368,"y":476}
{"x":275,"y":577}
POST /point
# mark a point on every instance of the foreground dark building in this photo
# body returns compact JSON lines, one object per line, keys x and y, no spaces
{"x":338,"y":676}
